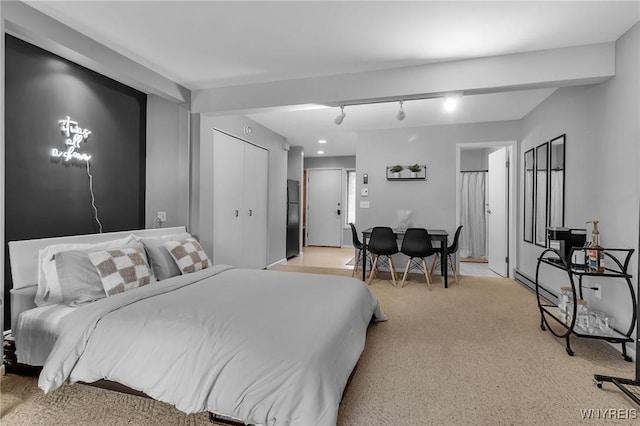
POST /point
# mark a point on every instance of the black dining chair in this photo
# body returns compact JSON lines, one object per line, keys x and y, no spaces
{"x":359,"y":247}
{"x":417,"y":246}
{"x":451,"y":250}
{"x":382,"y":243}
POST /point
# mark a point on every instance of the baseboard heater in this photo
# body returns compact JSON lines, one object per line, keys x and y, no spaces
{"x":525,"y":280}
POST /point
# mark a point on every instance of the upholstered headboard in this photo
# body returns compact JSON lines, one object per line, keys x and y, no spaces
{"x":24,"y":261}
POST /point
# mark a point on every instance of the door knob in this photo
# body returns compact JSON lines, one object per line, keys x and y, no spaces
{"x":338,"y":212}
{"x":489,"y":211}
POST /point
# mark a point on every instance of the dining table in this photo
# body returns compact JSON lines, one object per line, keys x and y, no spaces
{"x":439,"y":235}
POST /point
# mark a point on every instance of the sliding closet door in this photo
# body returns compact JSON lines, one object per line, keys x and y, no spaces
{"x":228,"y":198}
{"x":256,"y":161}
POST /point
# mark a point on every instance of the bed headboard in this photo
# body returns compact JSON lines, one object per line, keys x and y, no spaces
{"x":23,"y":256}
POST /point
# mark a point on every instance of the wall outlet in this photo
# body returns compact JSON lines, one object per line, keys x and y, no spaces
{"x":597,"y":290}
{"x":162,"y":216}
{"x":364,"y":204}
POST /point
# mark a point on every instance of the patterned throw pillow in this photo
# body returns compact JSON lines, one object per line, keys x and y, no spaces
{"x":122,"y":269}
{"x":188,"y":254}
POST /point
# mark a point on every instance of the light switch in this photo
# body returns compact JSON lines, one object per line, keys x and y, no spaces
{"x":364,"y":192}
{"x":364,"y":204}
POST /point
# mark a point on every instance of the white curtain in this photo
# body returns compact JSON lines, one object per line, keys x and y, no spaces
{"x":472,"y":211}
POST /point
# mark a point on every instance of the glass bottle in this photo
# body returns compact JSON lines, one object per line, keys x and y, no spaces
{"x":595,"y":253}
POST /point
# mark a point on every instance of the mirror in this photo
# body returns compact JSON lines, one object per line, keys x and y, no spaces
{"x":528,"y":195}
{"x":556,"y":181}
{"x":541,"y":176}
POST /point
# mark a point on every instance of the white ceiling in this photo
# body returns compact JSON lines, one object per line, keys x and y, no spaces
{"x":210,"y":44}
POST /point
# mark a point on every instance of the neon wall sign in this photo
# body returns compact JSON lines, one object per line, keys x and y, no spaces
{"x":74,"y":136}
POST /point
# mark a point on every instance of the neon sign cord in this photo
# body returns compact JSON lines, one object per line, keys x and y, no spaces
{"x":93,"y":200}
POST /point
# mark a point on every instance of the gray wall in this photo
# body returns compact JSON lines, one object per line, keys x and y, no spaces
{"x":167,"y":162}
{"x":295,"y":163}
{"x":602,"y":173}
{"x":347,"y":162}
{"x":432,"y":202}
{"x":472,"y":160}
{"x":202,"y":133}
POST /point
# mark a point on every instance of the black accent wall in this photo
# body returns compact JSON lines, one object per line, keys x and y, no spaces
{"x":47,"y":197}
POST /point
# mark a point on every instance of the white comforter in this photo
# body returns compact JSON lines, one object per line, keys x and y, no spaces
{"x":266,"y":347}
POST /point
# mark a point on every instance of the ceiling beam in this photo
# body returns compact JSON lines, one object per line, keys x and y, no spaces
{"x":33,"y":26}
{"x":569,"y":66}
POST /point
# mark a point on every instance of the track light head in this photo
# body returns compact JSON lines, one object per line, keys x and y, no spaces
{"x":451,"y":102}
{"x":401,"y":113}
{"x":340,"y":116}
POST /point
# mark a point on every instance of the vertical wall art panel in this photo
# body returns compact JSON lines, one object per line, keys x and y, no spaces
{"x":48,"y":195}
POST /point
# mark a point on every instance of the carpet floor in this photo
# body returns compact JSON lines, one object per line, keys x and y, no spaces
{"x":469,"y":354}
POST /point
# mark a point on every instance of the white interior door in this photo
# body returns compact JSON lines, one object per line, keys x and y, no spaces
{"x":497,"y":211}
{"x":324,"y":209}
{"x":254,"y":212}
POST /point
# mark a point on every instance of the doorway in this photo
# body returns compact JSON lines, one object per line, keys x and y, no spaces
{"x":488,"y":215}
{"x":324,"y":207}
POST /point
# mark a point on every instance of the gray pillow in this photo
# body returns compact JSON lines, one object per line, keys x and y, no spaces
{"x":162,"y":263}
{"x":78,"y":277}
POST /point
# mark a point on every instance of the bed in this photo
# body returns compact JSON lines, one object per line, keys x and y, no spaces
{"x":254,"y":346}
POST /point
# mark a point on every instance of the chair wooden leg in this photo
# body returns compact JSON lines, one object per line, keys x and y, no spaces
{"x":357,"y":262}
{"x":393,"y":271}
{"x":373,"y":269}
{"x":426,"y":273}
{"x":436,"y":262}
{"x":406,"y":270}
{"x":455,"y":275}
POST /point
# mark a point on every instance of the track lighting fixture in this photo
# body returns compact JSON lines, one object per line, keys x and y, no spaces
{"x":450,"y":103}
{"x":401,"y":114}
{"x":341,"y":116}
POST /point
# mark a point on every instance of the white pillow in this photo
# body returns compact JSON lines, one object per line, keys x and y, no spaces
{"x":49,"y":292}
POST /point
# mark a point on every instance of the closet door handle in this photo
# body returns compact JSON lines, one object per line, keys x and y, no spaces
{"x":250,"y":212}
{"x":237,"y":213}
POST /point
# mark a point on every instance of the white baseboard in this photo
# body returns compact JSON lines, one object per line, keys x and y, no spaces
{"x":279,"y":262}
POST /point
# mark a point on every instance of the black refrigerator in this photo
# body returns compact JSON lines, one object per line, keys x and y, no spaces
{"x":293,"y":218}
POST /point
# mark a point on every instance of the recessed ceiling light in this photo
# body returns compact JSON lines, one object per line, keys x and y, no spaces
{"x":320,"y":152}
{"x":322,"y":141}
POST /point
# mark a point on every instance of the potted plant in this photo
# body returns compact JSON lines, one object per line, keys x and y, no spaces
{"x":395,"y":170}
{"x":414,"y":170}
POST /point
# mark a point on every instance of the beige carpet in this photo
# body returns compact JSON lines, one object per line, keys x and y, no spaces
{"x":469,"y":354}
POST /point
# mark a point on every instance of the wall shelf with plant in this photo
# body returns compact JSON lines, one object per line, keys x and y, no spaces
{"x":412,"y":172}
